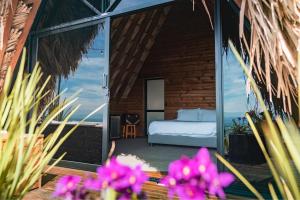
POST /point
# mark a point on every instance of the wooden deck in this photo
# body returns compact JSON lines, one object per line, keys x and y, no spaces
{"x":153,"y":190}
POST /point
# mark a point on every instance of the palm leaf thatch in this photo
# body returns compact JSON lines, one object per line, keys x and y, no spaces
{"x":273,"y":47}
{"x":16,"y":18}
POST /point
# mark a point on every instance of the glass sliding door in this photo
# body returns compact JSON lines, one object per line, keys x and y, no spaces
{"x":77,"y":60}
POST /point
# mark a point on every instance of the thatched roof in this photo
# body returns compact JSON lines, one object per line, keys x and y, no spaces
{"x":274,"y":47}
{"x":274,"y":53}
{"x":61,"y":53}
{"x":271,"y":46}
{"x":56,"y":12}
{"x":16,"y":18}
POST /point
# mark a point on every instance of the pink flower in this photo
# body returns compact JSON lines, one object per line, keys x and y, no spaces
{"x":92,"y":184}
{"x":189,"y":192}
{"x":181,"y":169}
{"x":218,"y":182}
{"x":121,"y":178}
{"x":192,"y":178}
{"x":67,"y":187}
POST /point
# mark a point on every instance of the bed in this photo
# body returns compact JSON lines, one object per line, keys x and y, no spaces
{"x":193,"y":127}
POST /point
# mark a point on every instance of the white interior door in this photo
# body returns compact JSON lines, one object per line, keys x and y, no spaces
{"x":155,"y":100}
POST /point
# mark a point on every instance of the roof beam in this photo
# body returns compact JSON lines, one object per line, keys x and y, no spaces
{"x":156,"y":28}
{"x":133,"y":54}
{"x":25,"y":33}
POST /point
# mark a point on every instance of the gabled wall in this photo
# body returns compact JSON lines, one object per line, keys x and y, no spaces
{"x":183,"y":55}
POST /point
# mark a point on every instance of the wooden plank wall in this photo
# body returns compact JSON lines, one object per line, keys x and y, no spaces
{"x":183,"y":55}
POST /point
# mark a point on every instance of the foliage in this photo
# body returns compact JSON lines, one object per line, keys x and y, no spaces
{"x":193,"y":178}
{"x":21,"y":163}
{"x":114,"y":180}
{"x":283,"y":144}
{"x":239,"y":126}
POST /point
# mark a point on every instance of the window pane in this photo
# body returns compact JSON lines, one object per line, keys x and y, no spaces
{"x":76,"y":60}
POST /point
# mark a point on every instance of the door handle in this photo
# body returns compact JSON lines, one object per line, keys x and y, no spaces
{"x":105,"y":81}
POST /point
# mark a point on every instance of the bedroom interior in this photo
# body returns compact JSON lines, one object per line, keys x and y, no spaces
{"x":164,"y":94}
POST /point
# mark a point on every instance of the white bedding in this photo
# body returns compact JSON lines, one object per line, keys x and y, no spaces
{"x":183,"y":128}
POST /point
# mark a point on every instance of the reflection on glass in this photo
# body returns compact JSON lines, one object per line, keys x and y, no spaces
{"x":236,"y":102}
{"x":78,"y":64}
{"x":241,"y":147}
{"x":62,"y":11}
{"x":88,"y":79}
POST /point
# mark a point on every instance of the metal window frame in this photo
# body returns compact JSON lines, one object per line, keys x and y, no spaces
{"x":105,"y":128}
{"x":219,"y":79}
{"x":80,"y":22}
{"x":139,"y":7}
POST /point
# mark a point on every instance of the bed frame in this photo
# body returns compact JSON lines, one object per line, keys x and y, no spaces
{"x":210,"y":142}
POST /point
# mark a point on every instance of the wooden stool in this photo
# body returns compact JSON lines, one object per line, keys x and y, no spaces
{"x":130,"y":130}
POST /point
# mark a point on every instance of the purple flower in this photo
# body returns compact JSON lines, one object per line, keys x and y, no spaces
{"x":202,"y":162}
{"x":218,"y":182}
{"x":192,"y":178}
{"x":171,"y":183}
{"x":124,"y":196}
{"x":92,"y":184}
{"x":181,"y":169}
{"x":189,"y":192}
{"x":67,"y":186}
{"x":133,"y":180}
{"x":121,"y":178}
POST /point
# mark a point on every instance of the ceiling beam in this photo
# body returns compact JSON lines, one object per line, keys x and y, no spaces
{"x":156,"y":28}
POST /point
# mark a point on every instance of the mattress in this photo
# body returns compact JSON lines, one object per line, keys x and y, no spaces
{"x":183,"y":128}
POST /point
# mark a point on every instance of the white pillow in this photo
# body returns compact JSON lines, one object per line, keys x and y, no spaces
{"x":191,"y":115}
{"x":206,"y":115}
